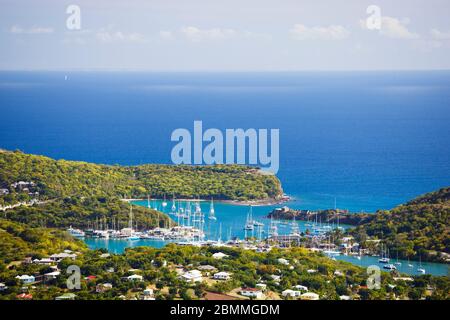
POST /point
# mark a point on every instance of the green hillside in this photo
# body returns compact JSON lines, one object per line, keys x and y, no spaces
{"x":417,"y":229}
{"x":61,"y":178}
{"x":18,"y":241}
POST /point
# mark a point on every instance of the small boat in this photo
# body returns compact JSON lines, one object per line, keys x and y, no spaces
{"x":390,"y":266}
{"x":384,"y":260}
{"x":76,"y":232}
{"x":398,"y":263}
{"x":420,"y":269}
{"x":133,"y":238}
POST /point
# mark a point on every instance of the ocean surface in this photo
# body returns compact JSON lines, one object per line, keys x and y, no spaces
{"x":372,"y":140}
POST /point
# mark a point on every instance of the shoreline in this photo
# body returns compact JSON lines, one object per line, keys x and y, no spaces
{"x":256,"y":203}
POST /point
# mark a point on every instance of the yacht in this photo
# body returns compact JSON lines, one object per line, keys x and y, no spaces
{"x":421,"y":270}
{"x":134,"y":237}
{"x":389,"y":266}
{"x":76,"y":232}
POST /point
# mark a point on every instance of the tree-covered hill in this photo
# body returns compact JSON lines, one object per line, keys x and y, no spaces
{"x":61,"y":178}
{"x":18,"y":241}
{"x":417,"y":229}
{"x":86,"y":212}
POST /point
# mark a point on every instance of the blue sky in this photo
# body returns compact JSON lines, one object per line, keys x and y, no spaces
{"x":231,"y":35}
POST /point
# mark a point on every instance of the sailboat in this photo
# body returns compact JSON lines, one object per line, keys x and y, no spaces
{"x":294,"y":227}
{"x":174,"y":207}
{"x":164,"y":203}
{"x":211,"y":211}
{"x":249,"y":225}
{"x":132,"y":236}
{"x":384,"y":257}
{"x":409,"y":264}
{"x":421,"y":269}
{"x":148,"y":202}
{"x":398,"y":263}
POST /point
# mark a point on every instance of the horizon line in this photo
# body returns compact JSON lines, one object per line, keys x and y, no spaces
{"x":218,"y":70}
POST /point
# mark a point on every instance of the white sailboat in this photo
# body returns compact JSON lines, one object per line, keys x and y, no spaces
{"x":384,"y":256}
{"x":164,"y":203}
{"x":174,"y":207}
{"x":212,"y":211}
{"x":249,"y":224}
{"x":421,"y":269}
{"x":410,"y":264}
{"x":132,"y":235}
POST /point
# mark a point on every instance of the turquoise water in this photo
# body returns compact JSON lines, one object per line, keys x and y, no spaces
{"x":233,"y":217}
{"x":437,"y":269}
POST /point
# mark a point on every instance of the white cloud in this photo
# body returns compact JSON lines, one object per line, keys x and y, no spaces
{"x":394,"y":28}
{"x":195,"y":34}
{"x":440,"y":35}
{"x":33,"y":30}
{"x":119,"y":36}
{"x":333,"y":32}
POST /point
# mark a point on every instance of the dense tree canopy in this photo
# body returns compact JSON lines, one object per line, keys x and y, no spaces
{"x":56,"y":179}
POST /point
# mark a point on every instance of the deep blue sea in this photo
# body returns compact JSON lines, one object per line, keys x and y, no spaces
{"x":372,"y":140}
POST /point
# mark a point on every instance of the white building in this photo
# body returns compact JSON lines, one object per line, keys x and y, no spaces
{"x":301,"y":288}
{"x":275,"y":277}
{"x":148,"y":294}
{"x":309,"y":296}
{"x":63,"y":255}
{"x":252,"y":293}
{"x":26,"y":278}
{"x":222,"y":276}
{"x":52,"y":275}
{"x":192,"y":276}
{"x":291,"y":293}
{"x":46,"y":261}
{"x":283,"y":261}
{"x":219,"y":255}
{"x":135,"y":277}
